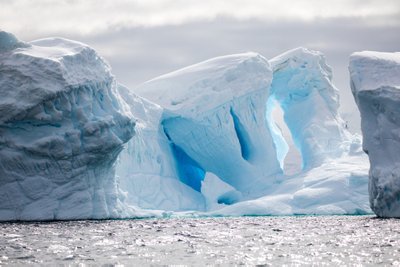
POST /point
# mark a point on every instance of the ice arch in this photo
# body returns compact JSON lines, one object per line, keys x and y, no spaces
{"x":214,"y":113}
{"x":302,"y":85}
{"x":287,"y":152}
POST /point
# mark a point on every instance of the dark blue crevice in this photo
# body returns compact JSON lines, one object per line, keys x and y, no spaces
{"x":243,"y":137}
{"x":189,"y":171}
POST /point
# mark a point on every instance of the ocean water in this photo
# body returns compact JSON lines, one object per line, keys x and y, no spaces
{"x":291,"y":240}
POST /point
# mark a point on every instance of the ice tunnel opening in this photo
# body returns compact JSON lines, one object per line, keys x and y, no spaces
{"x":189,"y":171}
{"x":288,"y":154}
{"x":242,"y":136}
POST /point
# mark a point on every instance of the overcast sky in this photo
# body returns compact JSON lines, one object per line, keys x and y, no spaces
{"x":143,"y":39}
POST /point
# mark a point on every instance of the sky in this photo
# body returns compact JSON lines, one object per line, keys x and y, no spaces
{"x":142,"y":39}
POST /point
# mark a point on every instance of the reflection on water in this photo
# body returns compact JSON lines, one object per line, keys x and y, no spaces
{"x":319,"y":240}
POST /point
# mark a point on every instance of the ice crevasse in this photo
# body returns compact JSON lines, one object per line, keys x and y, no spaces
{"x":75,"y":144}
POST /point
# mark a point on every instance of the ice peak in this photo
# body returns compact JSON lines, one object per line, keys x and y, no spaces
{"x":9,"y":42}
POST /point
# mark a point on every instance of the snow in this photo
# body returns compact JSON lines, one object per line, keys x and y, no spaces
{"x":375,"y":83}
{"x":200,"y":141}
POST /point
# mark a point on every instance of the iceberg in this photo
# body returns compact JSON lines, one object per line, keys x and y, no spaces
{"x":200,"y":141}
{"x":215,"y":122}
{"x":375,"y":83}
{"x":217,"y":117}
{"x":302,"y":86}
{"x":62,"y":127}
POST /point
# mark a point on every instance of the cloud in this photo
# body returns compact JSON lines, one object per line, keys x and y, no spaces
{"x":144,"y":39}
{"x":139,"y":54}
{"x":92,"y":16}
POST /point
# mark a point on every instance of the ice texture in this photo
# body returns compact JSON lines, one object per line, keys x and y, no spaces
{"x":302,"y":85}
{"x":215,"y":121}
{"x":217,"y":116}
{"x":62,"y":126}
{"x":375,"y":83}
{"x":202,"y":141}
{"x":146,"y":167}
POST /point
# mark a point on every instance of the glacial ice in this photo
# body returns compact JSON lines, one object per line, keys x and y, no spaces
{"x":146,"y":168}
{"x":215,"y":120}
{"x":75,"y":144}
{"x":375,"y":83}
{"x":302,"y":84}
{"x":200,"y":120}
{"x":62,"y":126}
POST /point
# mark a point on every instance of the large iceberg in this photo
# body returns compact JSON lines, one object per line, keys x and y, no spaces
{"x":217,"y":118}
{"x":62,"y":126}
{"x":75,"y":144}
{"x":375,"y":83}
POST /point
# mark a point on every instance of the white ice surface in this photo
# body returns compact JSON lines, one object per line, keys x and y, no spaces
{"x":76,"y":145}
{"x":215,"y":120}
{"x":302,"y":85}
{"x":62,"y":126}
{"x":375,"y":83}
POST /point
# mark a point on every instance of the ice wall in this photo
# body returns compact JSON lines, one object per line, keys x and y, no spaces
{"x":375,"y":83}
{"x":146,"y":168}
{"x":62,"y":126}
{"x":215,"y":121}
{"x":302,"y":85}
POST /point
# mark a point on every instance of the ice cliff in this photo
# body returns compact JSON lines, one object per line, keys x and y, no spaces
{"x":62,"y":126}
{"x":375,"y":83}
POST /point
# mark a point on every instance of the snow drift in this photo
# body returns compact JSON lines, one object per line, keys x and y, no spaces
{"x":375,"y":83}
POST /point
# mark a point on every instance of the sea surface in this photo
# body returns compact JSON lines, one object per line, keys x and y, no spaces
{"x":265,"y":241}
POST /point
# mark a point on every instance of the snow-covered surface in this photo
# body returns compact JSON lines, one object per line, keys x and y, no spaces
{"x":74,"y":144}
{"x":375,"y":83}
